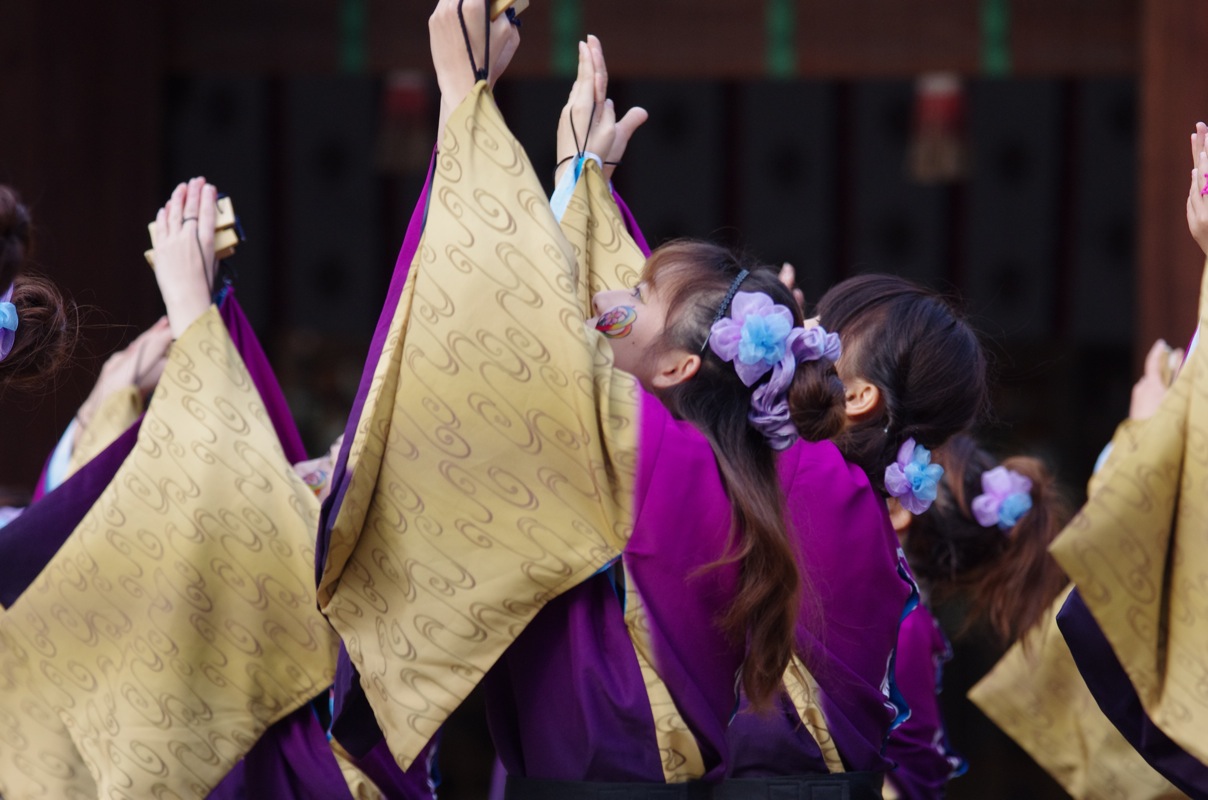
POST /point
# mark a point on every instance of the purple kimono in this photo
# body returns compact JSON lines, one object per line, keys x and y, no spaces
{"x":919,"y":746}
{"x":567,"y":700}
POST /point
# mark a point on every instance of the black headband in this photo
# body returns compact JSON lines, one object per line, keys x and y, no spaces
{"x":725,"y":305}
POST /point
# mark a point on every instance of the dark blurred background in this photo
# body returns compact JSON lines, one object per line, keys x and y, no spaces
{"x":1029,"y":156}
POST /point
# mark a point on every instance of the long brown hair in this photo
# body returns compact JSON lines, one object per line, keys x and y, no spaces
{"x":1009,"y":575}
{"x":694,"y":278}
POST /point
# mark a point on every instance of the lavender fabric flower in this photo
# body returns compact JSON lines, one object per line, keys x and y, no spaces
{"x":759,"y":337}
{"x":913,"y":479}
{"x":1006,"y":497}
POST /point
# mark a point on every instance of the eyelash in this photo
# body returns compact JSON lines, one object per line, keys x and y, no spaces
{"x":637,"y":292}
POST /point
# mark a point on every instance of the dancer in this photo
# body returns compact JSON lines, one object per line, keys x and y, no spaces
{"x":179,"y":602}
{"x":986,"y":537}
{"x":501,"y":462}
{"x":1036,"y":694}
{"x":1134,"y":554}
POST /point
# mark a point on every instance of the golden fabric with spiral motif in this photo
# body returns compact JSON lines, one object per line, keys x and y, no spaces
{"x":113,"y":417}
{"x":493,"y":465}
{"x":178,"y":620}
{"x":1037,"y":696}
{"x":1138,"y":553}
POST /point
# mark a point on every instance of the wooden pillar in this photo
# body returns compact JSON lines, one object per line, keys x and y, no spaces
{"x":81,"y":87}
{"x":1174,"y":95}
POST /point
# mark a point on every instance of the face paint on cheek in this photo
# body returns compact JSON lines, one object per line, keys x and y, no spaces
{"x":617,"y":323}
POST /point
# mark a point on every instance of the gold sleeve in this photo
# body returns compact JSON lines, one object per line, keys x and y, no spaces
{"x":493,"y":465}
{"x":115,"y":415}
{"x":1038,"y":698}
{"x":1137,"y":553}
{"x":178,"y":620}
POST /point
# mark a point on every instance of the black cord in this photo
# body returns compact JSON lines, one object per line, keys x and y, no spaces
{"x":485,"y":73}
{"x":480,"y":74}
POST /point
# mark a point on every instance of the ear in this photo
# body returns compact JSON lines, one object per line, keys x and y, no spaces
{"x":861,"y":398}
{"x":674,"y":368}
{"x":899,"y":517}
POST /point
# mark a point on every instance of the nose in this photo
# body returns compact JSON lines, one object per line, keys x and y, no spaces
{"x":602,"y":301}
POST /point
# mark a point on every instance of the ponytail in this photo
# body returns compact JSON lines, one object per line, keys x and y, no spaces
{"x":695,"y":278}
{"x":1007,"y":573}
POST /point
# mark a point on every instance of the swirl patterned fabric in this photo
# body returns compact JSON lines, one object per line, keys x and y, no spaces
{"x":116,"y":413}
{"x":492,"y":467}
{"x":804,"y":691}
{"x":1037,"y":696}
{"x":1138,"y":553}
{"x":610,"y":258}
{"x":171,"y":630}
{"x":678,"y":750}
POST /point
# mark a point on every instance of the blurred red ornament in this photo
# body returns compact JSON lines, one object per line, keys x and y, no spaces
{"x":937,"y":151}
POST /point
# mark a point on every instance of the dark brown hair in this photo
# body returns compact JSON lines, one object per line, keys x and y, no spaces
{"x":47,"y":330}
{"x":47,"y":325}
{"x":924,"y":359}
{"x":694,"y":278}
{"x":15,"y":235}
{"x":1010,"y":577}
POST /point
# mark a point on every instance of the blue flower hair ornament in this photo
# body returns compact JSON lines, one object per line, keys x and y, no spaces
{"x":912,"y":478}
{"x":759,"y":336}
{"x":8,"y":323}
{"x":1006,"y":496}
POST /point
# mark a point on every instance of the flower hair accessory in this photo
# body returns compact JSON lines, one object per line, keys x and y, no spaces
{"x":1006,"y":497}
{"x":8,"y":323}
{"x":759,"y":337}
{"x":913,"y":479}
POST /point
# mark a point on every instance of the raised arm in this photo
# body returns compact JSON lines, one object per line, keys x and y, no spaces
{"x":588,"y":122}
{"x":458,"y":34}
{"x":184,"y":252}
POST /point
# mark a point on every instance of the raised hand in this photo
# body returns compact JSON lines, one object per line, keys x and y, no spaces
{"x":1161,"y":365}
{"x":626,"y":126}
{"x":457,"y":33}
{"x":788,"y":276}
{"x":184,"y":252}
{"x":588,"y":123}
{"x":139,"y":365}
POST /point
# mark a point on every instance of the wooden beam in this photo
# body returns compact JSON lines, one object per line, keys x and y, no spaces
{"x":1174,"y":95}
{"x":707,"y":39}
{"x":1074,"y":38}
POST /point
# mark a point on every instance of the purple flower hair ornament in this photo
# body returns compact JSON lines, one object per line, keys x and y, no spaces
{"x":1006,"y":496}
{"x":8,"y":323}
{"x":759,"y":337}
{"x":913,"y":479}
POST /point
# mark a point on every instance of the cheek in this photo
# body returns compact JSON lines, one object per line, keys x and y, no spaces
{"x":618,"y":322}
